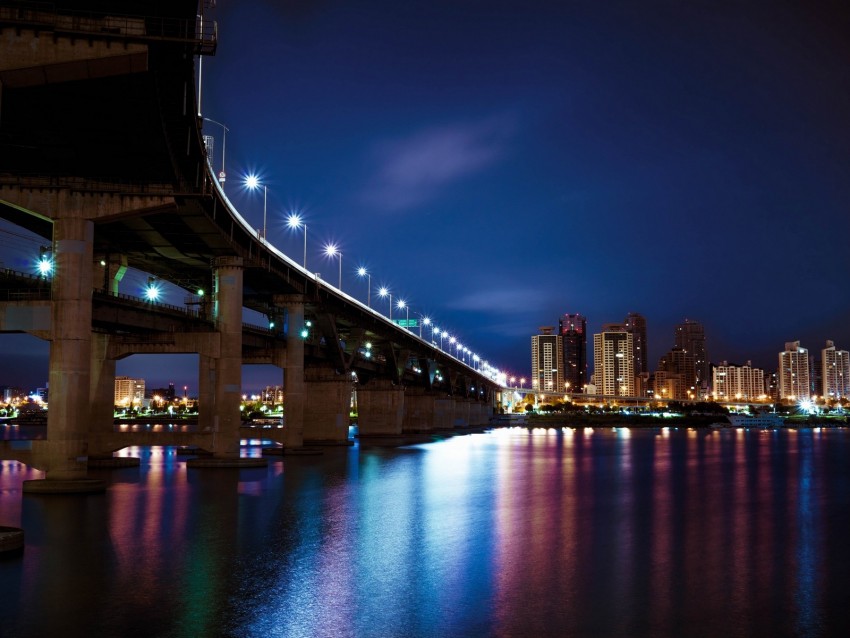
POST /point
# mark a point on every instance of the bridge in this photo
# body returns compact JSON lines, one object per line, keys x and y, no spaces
{"x":101,"y":154}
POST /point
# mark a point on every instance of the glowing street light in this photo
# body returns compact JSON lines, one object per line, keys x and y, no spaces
{"x":294,"y":221}
{"x":152,"y":291}
{"x":332,"y":251}
{"x":45,"y":263}
{"x":426,"y":321}
{"x":362,"y":272}
{"x":252,"y":182}
{"x":384,"y":292}
{"x":443,"y":334}
{"x":402,"y":305}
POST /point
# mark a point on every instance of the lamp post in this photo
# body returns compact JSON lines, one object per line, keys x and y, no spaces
{"x":225,"y":130}
{"x":426,"y":321}
{"x":362,"y":272}
{"x":332,"y":251}
{"x":443,"y":334}
{"x":294,"y":221}
{"x":401,"y":304}
{"x":253,"y":183}
{"x":384,"y":292}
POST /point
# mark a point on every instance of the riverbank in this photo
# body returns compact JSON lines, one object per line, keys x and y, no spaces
{"x":655,"y":421}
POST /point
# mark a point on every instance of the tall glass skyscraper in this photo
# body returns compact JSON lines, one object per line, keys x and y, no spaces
{"x":573,"y":332}
{"x":690,"y":336}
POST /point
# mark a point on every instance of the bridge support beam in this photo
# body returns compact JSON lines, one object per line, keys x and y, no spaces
{"x":444,"y":413}
{"x":227,"y":372}
{"x":461,"y":413}
{"x":63,"y":455}
{"x":419,"y":411}
{"x":380,"y":408}
{"x":327,"y":405}
{"x":478,"y":414}
{"x":293,"y":371}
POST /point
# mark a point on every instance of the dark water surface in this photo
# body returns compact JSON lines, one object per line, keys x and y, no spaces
{"x":511,"y":533}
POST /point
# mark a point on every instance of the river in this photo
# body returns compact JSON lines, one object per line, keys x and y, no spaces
{"x":588,"y":532}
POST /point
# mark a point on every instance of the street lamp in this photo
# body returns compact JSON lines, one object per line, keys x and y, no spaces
{"x":402,"y":305}
{"x":443,"y":334}
{"x":332,"y":251}
{"x":384,"y":292}
{"x":252,"y":182}
{"x":294,"y":222}
{"x":426,"y":321}
{"x":225,"y":130}
{"x":362,"y":272}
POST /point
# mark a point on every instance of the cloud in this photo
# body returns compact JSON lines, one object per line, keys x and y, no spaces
{"x":417,"y":168}
{"x":519,"y":301}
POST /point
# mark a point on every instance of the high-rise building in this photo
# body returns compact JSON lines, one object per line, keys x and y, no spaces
{"x":794,"y":372}
{"x":836,"y":372}
{"x":573,"y":331}
{"x":546,"y":361}
{"x":690,"y":336}
{"x":613,"y":361}
{"x":737,"y":383}
{"x":636,"y":324}
{"x":674,"y":377}
{"x":129,"y":391}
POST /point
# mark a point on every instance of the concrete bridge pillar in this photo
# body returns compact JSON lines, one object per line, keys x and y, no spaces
{"x":461,"y":413}
{"x":478,"y":414}
{"x":419,"y":408}
{"x":63,"y":455}
{"x":293,"y":372}
{"x":327,"y":405}
{"x":380,"y":408}
{"x":206,"y":393}
{"x":444,"y":413}
{"x":227,"y":375}
{"x":102,"y":389}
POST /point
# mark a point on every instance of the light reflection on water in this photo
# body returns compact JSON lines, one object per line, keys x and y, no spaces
{"x":589,"y":532}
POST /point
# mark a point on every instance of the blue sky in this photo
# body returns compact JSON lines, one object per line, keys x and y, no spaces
{"x":498,"y":164}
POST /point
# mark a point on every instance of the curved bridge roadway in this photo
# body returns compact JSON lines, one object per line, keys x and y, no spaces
{"x":101,"y":153}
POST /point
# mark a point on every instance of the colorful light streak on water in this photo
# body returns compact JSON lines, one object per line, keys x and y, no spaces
{"x":588,"y":532}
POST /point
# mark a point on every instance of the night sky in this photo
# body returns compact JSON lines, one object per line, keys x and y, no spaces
{"x":498,"y":164}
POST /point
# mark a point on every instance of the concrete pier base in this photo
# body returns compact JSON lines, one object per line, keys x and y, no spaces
{"x":380,"y":408}
{"x":11,"y":540}
{"x":220,"y":462}
{"x":294,"y":451}
{"x":116,"y":462}
{"x":64,"y":486}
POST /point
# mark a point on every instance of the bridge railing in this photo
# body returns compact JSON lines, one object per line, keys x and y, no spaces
{"x":144,"y":303}
{"x":37,"y":288}
{"x":201,"y":34}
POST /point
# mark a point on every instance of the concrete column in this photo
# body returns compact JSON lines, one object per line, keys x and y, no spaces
{"x":461,"y":413}
{"x":102,"y":388}
{"x":477,"y":414}
{"x":227,"y":384}
{"x":63,"y":455}
{"x":293,"y":371}
{"x":419,"y":409}
{"x":444,"y":413}
{"x":380,"y":408}
{"x":327,"y":405}
{"x":206,"y":393}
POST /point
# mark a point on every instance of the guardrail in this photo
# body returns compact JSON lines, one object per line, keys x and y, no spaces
{"x":201,"y":34}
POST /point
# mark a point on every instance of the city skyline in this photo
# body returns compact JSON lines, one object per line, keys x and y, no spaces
{"x":658,"y":154}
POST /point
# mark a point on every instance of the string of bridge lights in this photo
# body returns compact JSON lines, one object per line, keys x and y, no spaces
{"x":153,"y":290}
{"x":461,"y":352}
